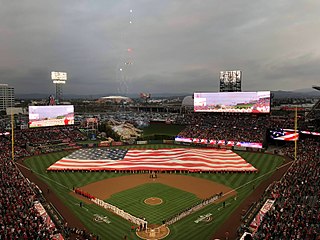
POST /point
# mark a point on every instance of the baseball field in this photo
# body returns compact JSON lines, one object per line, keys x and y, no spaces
{"x":154,"y":199}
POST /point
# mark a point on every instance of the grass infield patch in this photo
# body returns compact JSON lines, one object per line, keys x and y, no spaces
{"x":174,"y":201}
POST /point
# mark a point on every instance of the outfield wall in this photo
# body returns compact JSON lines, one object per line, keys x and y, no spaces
{"x":251,"y":147}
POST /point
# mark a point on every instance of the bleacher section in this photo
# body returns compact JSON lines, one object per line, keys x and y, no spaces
{"x":22,"y":212}
{"x":295,"y":213}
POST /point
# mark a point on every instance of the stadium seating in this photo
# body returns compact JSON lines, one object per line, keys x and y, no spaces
{"x":233,"y":127}
{"x":296,"y":214}
{"x":242,"y":128}
{"x":19,"y":218}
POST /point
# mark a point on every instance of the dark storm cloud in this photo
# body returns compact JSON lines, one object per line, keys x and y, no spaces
{"x":176,"y":46}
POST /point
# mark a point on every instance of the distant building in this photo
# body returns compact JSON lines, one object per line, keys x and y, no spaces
{"x":188,"y":102}
{"x":6,"y":97}
{"x":115,"y":99}
{"x":314,"y":113}
{"x":16,"y":110}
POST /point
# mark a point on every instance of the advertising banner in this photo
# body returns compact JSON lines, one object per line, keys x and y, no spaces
{"x":260,"y":215}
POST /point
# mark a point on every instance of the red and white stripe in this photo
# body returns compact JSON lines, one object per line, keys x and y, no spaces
{"x":162,"y":159}
{"x":289,"y":136}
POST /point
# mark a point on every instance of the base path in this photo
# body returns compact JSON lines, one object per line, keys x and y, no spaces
{"x":202,"y":188}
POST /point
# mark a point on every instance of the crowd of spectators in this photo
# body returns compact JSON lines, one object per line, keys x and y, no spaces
{"x":6,"y":148}
{"x":240,"y":128}
{"x":19,"y":218}
{"x":296,"y":212}
{"x":50,"y":135}
{"x":233,"y":127}
{"x":29,"y":142}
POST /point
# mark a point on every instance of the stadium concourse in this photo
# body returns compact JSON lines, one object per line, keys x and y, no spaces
{"x":294,"y":215}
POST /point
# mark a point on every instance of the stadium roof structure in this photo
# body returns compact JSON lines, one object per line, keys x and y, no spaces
{"x":316,"y":87}
{"x":116,"y":99}
{"x":315,"y":111}
{"x":187,"y":102}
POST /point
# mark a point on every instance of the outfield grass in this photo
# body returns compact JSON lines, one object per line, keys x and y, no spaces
{"x":162,"y":129}
{"x":63,"y":182}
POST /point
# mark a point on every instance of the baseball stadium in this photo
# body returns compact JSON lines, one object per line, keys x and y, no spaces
{"x":195,"y":175}
{"x":159,"y":120}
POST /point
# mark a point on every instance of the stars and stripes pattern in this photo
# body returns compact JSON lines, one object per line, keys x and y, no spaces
{"x":176,"y":159}
{"x":285,"y":135}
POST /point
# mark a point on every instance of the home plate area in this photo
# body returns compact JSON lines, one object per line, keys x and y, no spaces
{"x":154,"y":232}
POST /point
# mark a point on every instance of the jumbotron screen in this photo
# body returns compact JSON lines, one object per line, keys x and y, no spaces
{"x":45,"y":116}
{"x":240,"y":102}
{"x":284,"y":134}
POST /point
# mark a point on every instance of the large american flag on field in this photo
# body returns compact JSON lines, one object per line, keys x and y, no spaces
{"x":190,"y":159}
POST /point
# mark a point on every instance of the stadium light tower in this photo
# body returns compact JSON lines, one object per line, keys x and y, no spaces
{"x":230,"y":81}
{"x":59,"y":78}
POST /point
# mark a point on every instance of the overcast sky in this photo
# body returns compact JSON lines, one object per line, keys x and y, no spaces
{"x":170,"y":46}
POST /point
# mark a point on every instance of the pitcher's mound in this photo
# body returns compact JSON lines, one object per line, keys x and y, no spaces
{"x":153,"y":201}
{"x":154,"y":232}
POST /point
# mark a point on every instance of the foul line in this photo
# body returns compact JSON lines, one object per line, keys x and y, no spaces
{"x":227,"y":204}
{"x":43,"y":176}
{"x":274,"y":170}
{"x":78,"y":204}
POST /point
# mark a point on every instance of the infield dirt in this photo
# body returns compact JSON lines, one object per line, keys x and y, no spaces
{"x":202,"y":188}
